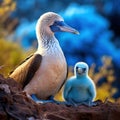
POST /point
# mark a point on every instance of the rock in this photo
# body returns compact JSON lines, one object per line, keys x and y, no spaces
{"x":15,"y":105}
{"x":5,"y":87}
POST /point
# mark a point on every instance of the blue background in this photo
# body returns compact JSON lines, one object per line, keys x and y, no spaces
{"x":98,"y":22}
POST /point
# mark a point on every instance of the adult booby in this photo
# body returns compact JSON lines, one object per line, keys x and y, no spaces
{"x":43,"y":73}
{"x":80,"y":89}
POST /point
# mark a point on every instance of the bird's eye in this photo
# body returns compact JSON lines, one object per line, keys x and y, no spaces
{"x":56,"y":22}
{"x":77,"y":68}
{"x":84,"y":69}
{"x":60,"y":23}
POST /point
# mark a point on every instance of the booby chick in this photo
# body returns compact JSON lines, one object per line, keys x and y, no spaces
{"x":43,"y":73}
{"x":80,"y":88}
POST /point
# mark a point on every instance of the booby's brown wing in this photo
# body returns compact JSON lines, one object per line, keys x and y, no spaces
{"x":26,"y":70}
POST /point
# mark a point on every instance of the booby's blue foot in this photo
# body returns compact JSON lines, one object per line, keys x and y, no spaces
{"x":50,"y":100}
{"x":89,"y":104}
{"x":92,"y":104}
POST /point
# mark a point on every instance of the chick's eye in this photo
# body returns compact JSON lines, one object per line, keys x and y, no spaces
{"x":76,"y":68}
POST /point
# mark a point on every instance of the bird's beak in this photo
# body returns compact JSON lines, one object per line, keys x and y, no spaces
{"x":67,"y":28}
{"x":79,"y":70}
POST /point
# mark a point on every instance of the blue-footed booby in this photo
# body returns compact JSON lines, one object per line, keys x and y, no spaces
{"x":80,"y":88}
{"x":43,"y":73}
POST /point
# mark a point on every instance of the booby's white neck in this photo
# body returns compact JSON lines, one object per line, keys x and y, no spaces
{"x":47,"y":44}
{"x":46,"y":39}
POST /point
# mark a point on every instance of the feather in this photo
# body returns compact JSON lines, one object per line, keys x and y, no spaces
{"x":24,"y":73}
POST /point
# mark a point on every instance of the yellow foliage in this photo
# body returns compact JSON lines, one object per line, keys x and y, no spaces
{"x":110,"y":78}
{"x":7,"y":1}
{"x":59,"y":96}
{"x":105,"y":91}
{"x":11,"y":55}
{"x":107,"y":72}
{"x":7,"y":6}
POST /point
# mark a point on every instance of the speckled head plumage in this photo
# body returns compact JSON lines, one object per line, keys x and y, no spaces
{"x":49,"y":18}
{"x":51,"y":22}
{"x":81,"y":68}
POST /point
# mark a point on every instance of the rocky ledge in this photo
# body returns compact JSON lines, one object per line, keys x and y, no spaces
{"x":15,"y":105}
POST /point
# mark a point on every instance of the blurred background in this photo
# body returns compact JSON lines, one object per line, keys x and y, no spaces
{"x":98,"y":44}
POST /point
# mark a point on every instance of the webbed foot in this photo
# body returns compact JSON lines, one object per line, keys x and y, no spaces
{"x":50,"y":100}
{"x":89,"y":104}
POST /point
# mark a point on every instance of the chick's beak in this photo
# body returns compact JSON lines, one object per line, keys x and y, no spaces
{"x":79,"y":70}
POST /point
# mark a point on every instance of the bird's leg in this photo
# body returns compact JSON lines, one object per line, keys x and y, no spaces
{"x":59,"y":102}
{"x":73,"y":103}
{"x":92,"y":103}
{"x":34,"y":97}
{"x":88,"y":103}
{"x":50,"y":100}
